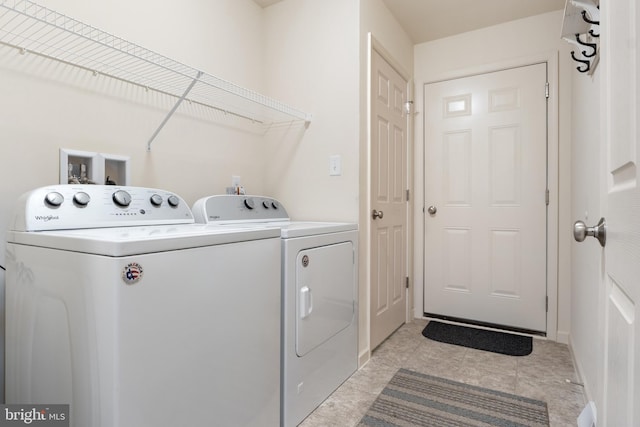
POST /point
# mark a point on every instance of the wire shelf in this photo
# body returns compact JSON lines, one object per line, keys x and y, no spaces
{"x":33,"y":28}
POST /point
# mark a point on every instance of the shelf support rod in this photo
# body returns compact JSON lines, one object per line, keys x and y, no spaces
{"x":173,"y":110}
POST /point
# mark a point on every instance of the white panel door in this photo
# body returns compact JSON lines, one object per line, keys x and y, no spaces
{"x":485,"y":186}
{"x":620,"y":337}
{"x":388,"y":198}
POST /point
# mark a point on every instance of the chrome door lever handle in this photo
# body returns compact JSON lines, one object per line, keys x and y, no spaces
{"x":377,"y":214}
{"x":581,"y":231}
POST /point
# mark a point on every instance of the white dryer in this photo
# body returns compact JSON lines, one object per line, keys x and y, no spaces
{"x":319,"y":297}
{"x":118,"y":304}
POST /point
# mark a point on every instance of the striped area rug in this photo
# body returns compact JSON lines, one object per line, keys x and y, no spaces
{"x":415,"y":399}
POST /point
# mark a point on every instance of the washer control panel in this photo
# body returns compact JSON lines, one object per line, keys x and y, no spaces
{"x":65,"y":207}
{"x":234,"y":208}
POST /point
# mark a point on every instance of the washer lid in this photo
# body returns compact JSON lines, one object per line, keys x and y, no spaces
{"x":123,"y":241}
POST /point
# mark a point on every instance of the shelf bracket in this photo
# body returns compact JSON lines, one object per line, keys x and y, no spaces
{"x":173,"y":110}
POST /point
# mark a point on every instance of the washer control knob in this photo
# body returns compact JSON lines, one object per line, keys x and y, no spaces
{"x":53,"y":199}
{"x":156,"y":200}
{"x":249,"y":203}
{"x":81,"y":198}
{"x":274,"y":205}
{"x":266,"y":204}
{"x":173,"y":201}
{"x":121,"y":198}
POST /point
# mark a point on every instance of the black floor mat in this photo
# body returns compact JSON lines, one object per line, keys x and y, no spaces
{"x":480,"y":339}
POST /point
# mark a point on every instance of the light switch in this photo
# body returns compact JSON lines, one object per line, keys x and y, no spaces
{"x":335,"y":165}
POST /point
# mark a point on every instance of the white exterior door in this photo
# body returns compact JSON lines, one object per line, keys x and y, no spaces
{"x":485,"y":187}
{"x":620,"y":299}
{"x":388,"y":199}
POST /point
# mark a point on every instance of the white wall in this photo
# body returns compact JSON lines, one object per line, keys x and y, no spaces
{"x":477,"y":50}
{"x":586,"y":206}
{"x":311,"y":57}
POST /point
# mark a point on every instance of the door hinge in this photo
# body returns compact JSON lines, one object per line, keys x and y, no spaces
{"x":546,"y":90}
{"x":408,"y":193}
{"x":546,"y":196}
{"x":546,"y":304}
{"x":407,"y":282}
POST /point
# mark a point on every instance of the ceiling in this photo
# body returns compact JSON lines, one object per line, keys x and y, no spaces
{"x":426,"y":20}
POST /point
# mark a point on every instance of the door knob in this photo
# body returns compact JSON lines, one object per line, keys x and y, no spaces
{"x":581,"y":231}
{"x":377,"y":214}
{"x":432,"y":210}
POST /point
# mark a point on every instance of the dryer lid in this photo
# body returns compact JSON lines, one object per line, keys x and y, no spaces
{"x":293,"y":229}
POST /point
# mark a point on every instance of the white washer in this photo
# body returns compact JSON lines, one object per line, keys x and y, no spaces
{"x":319,"y":290}
{"x":118,"y":304}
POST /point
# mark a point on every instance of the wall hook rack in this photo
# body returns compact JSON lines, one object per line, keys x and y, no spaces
{"x":593,"y":46}
{"x":593,"y":23}
{"x":580,"y":27}
{"x":587,"y":63}
{"x":587,"y":20}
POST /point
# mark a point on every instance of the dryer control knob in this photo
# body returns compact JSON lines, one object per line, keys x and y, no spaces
{"x":156,"y":200}
{"x":249,"y":203}
{"x":53,"y":199}
{"x":274,"y":205}
{"x":81,"y":198}
{"x":173,"y":201}
{"x":265,"y":204}
{"x":121,"y":198}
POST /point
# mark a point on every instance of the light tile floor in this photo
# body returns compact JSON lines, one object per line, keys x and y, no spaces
{"x":541,"y":375}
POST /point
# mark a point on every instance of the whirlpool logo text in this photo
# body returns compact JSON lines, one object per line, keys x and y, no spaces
{"x":47,"y":218}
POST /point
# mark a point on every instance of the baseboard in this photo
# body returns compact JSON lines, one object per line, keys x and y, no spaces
{"x":586,"y":392}
{"x":364,"y":357}
{"x":562,"y":337}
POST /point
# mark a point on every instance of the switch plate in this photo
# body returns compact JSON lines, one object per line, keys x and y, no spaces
{"x":335,"y":165}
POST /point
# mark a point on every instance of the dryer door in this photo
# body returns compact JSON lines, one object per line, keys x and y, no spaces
{"x":325,"y":288}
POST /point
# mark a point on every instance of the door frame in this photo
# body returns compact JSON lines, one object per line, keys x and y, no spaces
{"x":553,"y":154}
{"x":365,"y":202}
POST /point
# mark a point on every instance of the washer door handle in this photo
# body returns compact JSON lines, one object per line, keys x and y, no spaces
{"x":306,"y":302}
